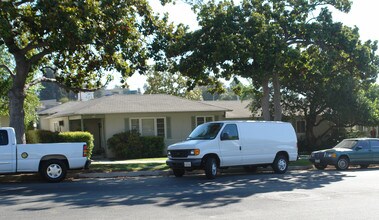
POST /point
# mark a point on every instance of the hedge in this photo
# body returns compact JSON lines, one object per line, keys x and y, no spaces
{"x":130,"y":145}
{"x":43,"y":136}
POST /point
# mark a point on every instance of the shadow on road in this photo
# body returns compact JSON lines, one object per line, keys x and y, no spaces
{"x":188,"y":191}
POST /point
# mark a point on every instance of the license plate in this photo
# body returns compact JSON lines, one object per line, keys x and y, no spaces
{"x":317,"y":161}
{"x":187,"y":164}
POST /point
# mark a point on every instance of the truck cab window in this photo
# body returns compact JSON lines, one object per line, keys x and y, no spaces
{"x":3,"y":137}
{"x":230,"y":132}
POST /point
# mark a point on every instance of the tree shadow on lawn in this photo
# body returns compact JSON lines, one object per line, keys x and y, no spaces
{"x":188,"y":191}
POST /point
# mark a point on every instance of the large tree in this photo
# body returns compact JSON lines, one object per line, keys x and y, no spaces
{"x":252,"y":40}
{"x":328,"y":83}
{"x":79,"y":40}
{"x":31,"y":103}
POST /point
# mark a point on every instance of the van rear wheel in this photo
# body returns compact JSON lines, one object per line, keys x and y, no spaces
{"x":211,"y":168}
{"x":280,"y":164}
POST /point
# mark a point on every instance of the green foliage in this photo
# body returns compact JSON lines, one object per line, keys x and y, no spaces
{"x":172,"y":84}
{"x":78,"y":136}
{"x":80,"y":41}
{"x":253,"y":40}
{"x":130,"y":145}
{"x":43,"y":136}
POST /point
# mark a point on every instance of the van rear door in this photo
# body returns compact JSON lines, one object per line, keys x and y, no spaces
{"x":7,"y":153}
{"x":230,"y":146}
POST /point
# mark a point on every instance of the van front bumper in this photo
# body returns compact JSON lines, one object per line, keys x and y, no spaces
{"x":189,"y":164}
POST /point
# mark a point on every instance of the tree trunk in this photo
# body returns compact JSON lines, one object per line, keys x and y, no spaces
{"x":277,"y":99}
{"x":265,"y":102}
{"x":17,"y":97}
{"x":310,"y":121}
{"x":17,"y":114}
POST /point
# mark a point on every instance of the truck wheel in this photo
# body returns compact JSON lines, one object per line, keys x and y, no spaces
{"x":178,"y":172}
{"x":342,"y":163}
{"x":53,"y":170}
{"x":280,"y":164}
{"x":320,"y":167}
{"x":211,"y":168}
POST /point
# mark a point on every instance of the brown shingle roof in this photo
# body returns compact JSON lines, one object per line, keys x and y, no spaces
{"x":239,"y":108}
{"x":132,"y":104}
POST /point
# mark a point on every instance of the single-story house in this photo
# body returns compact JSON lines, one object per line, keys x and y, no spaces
{"x":152,"y":115}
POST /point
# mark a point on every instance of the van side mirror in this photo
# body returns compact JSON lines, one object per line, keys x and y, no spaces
{"x":225,"y":136}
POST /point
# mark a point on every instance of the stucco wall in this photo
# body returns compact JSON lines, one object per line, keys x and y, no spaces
{"x":181,"y":124}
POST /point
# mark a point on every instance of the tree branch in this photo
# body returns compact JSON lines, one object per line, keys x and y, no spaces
{"x":39,"y":56}
{"x":32,"y":46}
{"x":8,"y":70}
{"x":51,"y":80}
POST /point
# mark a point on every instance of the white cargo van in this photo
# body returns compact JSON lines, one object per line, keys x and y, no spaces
{"x":224,"y":144}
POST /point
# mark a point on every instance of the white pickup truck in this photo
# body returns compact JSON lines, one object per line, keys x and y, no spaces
{"x":51,"y":160}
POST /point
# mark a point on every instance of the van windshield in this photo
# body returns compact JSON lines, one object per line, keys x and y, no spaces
{"x":205,"y":131}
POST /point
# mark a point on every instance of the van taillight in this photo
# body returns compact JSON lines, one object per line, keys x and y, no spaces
{"x":85,"y":150}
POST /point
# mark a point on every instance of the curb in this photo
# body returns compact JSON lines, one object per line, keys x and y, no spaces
{"x":162,"y":173}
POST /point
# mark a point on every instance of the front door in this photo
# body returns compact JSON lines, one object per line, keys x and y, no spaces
{"x":7,"y":155}
{"x":362,"y":153}
{"x":375,"y":151}
{"x":230,"y":147}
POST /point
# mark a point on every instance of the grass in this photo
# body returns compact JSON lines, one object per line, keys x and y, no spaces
{"x":128,"y":167}
{"x":145,"y":165}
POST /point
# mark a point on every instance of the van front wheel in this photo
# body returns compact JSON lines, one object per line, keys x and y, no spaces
{"x":211,"y":168}
{"x":280,"y":164}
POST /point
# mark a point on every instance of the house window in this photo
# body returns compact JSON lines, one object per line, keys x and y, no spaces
{"x":149,"y":126}
{"x":203,"y":119}
{"x":300,"y":126}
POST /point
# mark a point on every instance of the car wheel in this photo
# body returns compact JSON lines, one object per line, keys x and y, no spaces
{"x":320,"y":167}
{"x":178,"y":172}
{"x":280,"y":164}
{"x":342,"y":163}
{"x":211,"y":168}
{"x":53,"y":170}
{"x":364,"y":166}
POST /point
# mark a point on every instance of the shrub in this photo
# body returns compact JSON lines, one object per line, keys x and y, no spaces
{"x":78,"y":136}
{"x":130,"y":145}
{"x":41,"y":136}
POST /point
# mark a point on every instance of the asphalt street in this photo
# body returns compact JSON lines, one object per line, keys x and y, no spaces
{"x":330,"y":194}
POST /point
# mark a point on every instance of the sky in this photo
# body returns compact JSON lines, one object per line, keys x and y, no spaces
{"x":364,"y":14}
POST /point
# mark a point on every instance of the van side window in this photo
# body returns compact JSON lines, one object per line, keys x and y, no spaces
{"x":230,"y":132}
{"x":4,"y":137}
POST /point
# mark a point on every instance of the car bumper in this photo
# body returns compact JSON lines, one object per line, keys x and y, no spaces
{"x":324,"y":161}
{"x":189,"y":164}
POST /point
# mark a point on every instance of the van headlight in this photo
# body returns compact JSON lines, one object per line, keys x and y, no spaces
{"x":194,"y":152}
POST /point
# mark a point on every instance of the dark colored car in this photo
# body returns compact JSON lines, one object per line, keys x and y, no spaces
{"x":357,"y":151}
